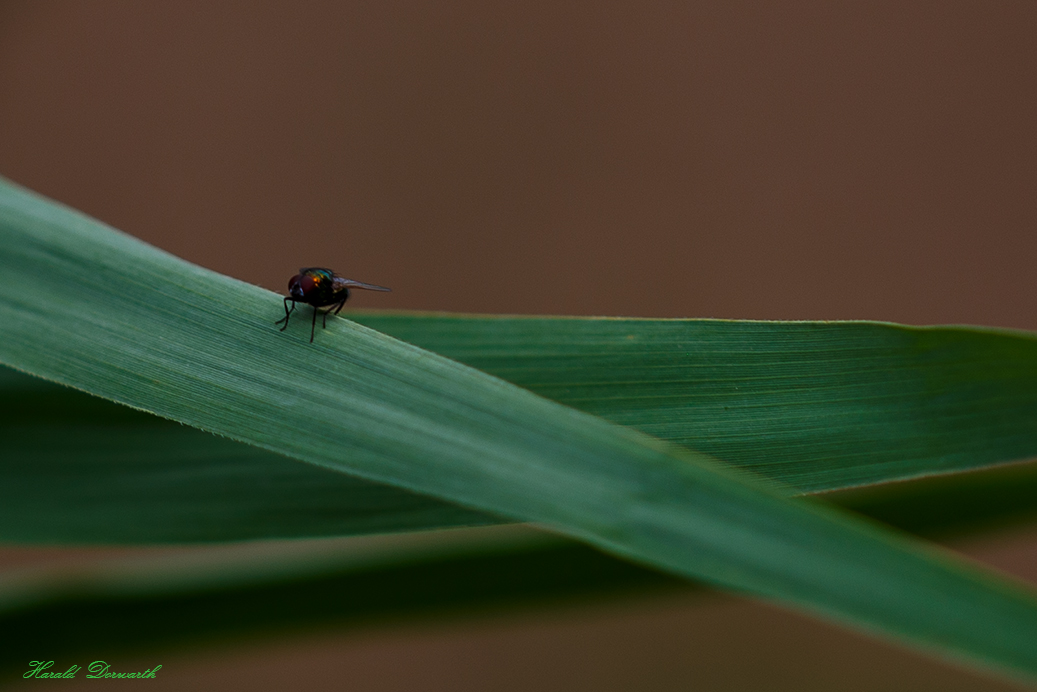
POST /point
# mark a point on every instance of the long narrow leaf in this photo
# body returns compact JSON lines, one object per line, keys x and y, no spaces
{"x":816,"y":405}
{"x":144,"y":604}
{"x":88,"y":307}
{"x":79,"y":469}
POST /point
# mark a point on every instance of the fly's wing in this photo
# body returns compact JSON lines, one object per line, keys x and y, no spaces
{"x":341,"y":283}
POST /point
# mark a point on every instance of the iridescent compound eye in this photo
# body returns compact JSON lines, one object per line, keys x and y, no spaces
{"x":302,"y":285}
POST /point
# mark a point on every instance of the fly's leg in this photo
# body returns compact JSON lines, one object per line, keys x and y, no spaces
{"x":333,"y":309}
{"x":287,"y":313}
{"x":324,"y":319}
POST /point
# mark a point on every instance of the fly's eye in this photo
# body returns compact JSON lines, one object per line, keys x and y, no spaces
{"x":308,"y":283}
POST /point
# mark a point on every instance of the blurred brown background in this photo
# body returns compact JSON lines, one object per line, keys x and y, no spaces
{"x":779,"y":160}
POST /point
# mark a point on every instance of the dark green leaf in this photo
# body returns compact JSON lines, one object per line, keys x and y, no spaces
{"x":88,"y":307}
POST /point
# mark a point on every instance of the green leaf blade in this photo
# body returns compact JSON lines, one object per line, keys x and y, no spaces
{"x":832,"y":404}
{"x":127,"y":322}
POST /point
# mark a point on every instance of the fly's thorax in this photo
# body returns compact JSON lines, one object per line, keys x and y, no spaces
{"x":313,"y":286}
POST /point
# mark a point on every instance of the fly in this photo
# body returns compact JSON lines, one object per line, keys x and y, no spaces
{"x":320,"y":288}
